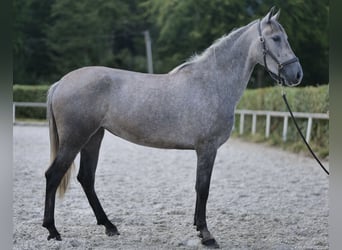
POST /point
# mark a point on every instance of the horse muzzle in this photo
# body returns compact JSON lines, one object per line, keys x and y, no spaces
{"x":291,"y":74}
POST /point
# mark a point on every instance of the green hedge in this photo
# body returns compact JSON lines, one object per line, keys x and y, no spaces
{"x":307,"y":99}
{"x":28,"y":93}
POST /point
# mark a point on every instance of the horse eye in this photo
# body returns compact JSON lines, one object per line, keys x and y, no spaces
{"x":276,"y":38}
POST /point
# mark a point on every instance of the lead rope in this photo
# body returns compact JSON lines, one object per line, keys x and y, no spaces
{"x":300,"y":132}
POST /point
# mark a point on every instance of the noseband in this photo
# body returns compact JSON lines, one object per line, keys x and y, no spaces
{"x":268,"y":52}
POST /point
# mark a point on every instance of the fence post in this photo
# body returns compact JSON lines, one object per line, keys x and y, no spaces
{"x":254,"y":117}
{"x":284,"y":115}
{"x":308,"y":129}
{"x":242,"y":116}
{"x":46,"y":112}
{"x":148,"y":51}
{"x":286,"y":118}
{"x":268,"y":125}
{"x":14,"y":113}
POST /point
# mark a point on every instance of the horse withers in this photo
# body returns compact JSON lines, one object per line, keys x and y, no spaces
{"x":192,"y":107}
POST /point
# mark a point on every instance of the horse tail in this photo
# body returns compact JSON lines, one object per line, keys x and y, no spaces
{"x":54,"y":142}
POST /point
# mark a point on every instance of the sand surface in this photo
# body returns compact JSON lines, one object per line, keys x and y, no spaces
{"x":260,"y":198}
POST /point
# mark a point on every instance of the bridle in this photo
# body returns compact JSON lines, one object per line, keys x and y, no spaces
{"x":266,"y":52}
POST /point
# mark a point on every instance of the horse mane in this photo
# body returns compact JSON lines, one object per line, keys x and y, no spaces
{"x":226,"y":40}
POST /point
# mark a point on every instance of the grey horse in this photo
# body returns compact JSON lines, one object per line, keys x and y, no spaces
{"x":191,"y":107}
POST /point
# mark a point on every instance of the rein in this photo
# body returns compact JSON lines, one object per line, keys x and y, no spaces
{"x":280,"y":82}
{"x":301,"y":134}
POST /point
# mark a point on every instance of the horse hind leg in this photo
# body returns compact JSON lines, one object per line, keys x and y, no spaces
{"x":54,"y":175}
{"x":86,"y":176}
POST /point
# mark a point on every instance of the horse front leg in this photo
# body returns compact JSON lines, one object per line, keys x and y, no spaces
{"x":205,"y":162}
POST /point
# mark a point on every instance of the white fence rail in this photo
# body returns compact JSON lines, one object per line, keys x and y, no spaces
{"x":26,"y":104}
{"x":285,"y":115}
{"x":242,"y":113}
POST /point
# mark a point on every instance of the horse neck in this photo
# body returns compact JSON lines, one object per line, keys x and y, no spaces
{"x":232,"y":62}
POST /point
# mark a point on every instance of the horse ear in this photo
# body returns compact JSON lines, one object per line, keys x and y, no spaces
{"x":276,"y":16}
{"x":270,"y":14}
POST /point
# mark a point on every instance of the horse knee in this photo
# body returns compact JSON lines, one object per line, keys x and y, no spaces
{"x":203,"y":184}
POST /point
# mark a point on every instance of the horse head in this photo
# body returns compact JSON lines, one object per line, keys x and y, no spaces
{"x":276,"y":54}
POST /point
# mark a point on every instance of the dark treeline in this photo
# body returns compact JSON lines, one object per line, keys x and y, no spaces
{"x":53,"y":37}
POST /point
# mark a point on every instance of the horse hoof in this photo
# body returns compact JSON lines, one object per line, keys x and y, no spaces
{"x":56,"y":237}
{"x":210,"y":243}
{"x":112,"y":232}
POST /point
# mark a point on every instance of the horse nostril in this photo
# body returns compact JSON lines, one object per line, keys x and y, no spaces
{"x":299,"y":75}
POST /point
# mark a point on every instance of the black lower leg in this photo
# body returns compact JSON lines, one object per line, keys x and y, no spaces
{"x":100,"y":215}
{"x":49,"y":222}
{"x":201,"y":223}
{"x":195,"y":215}
{"x":53,"y":176}
{"x":86,"y":176}
{"x":206,"y":158}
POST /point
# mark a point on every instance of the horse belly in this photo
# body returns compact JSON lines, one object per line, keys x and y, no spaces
{"x":161,"y":142}
{"x":173,"y":128}
{"x":153,"y":131}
